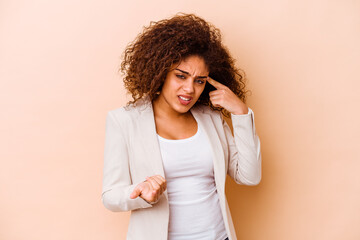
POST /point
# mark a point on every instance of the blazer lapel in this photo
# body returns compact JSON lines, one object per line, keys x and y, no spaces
{"x":217,"y":151}
{"x":149,"y":140}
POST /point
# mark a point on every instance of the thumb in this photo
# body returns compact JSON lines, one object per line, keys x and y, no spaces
{"x":135,"y":193}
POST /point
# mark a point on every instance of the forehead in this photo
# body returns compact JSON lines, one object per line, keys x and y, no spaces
{"x":194,"y":65}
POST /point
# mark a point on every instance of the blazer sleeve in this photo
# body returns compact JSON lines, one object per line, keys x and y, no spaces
{"x":244,"y":149}
{"x":117,"y":184}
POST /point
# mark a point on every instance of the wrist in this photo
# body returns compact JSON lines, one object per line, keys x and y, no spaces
{"x":241,"y":111}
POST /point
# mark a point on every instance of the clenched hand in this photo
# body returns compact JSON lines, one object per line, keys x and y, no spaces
{"x":151,"y":189}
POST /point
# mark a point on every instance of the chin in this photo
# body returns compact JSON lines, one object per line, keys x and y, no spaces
{"x":182,"y":108}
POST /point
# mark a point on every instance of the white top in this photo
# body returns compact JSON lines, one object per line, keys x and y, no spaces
{"x":194,"y":205}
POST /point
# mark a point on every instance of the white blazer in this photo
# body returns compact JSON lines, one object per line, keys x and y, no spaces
{"x":132,"y":152}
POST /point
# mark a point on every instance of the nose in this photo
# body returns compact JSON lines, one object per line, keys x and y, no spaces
{"x":188,"y":86}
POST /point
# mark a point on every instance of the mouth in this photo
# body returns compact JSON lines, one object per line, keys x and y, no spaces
{"x":184,"y":100}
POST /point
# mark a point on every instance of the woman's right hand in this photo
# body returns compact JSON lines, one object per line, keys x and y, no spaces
{"x":151,"y":189}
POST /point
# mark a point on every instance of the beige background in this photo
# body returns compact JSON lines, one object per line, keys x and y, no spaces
{"x":58,"y":71}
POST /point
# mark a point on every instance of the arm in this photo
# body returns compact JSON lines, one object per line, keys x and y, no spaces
{"x":244,"y":149}
{"x":117,"y":185}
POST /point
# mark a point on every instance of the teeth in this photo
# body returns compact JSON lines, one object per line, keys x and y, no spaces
{"x":185,"y":99}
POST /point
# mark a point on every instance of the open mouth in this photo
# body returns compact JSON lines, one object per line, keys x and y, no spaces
{"x":185,"y":100}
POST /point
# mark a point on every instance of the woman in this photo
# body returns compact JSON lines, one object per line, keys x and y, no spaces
{"x":168,"y":151}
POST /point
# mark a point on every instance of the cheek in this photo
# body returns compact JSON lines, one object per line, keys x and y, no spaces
{"x":174,"y":83}
{"x":200,"y":89}
{"x":170,"y":86}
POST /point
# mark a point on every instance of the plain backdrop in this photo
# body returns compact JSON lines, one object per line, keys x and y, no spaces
{"x":58,"y":72}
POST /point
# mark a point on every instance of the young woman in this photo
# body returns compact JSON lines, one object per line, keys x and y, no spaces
{"x":168,"y":151}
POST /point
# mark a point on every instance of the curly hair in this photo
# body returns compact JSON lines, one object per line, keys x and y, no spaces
{"x":147,"y":60}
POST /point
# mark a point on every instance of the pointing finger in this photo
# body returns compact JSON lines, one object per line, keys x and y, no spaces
{"x":217,"y":92}
{"x":216,"y":84}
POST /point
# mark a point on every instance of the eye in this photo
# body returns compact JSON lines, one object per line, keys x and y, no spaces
{"x":180,"y":76}
{"x":199,"y":81}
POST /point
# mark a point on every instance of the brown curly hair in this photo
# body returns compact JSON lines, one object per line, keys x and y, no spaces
{"x":147,"y":60}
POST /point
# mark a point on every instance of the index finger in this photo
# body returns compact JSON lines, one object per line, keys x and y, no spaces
{"x":216,"y":84}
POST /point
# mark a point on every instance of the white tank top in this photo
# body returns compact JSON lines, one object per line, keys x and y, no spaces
{"x":195,"y":211}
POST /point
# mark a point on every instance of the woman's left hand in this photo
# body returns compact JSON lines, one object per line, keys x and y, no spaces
{"x":224,"y":97}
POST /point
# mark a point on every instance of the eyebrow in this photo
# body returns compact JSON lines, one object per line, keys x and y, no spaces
{"x":189,"y":73}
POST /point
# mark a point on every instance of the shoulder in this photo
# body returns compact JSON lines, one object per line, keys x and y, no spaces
{"x":129,"y":113}
{"x":120,"y":114}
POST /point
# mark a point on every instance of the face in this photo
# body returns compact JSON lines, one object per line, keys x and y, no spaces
{"x":183,"y":85}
